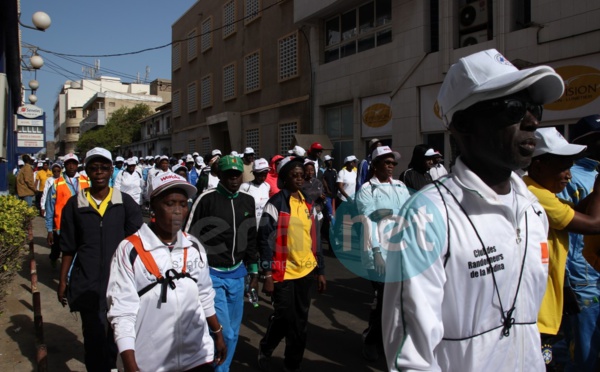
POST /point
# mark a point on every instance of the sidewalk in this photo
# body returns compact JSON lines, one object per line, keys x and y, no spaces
{"x":337,"y":319}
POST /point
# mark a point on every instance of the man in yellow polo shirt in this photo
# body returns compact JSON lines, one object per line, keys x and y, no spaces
{"x":549,"y":174}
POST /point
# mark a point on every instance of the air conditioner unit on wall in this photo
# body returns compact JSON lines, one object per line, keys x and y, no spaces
{"x":473,"y":38}
{"x":473,"y":15}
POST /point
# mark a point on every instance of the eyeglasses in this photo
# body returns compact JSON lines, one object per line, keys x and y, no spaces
{"x":514,"y":110}
{"x":390,"y":162}
{"x":101,"y":168}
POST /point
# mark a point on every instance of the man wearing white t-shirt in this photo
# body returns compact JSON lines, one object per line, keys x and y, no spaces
{"x":258,"y":188}
{"x":346,"y":179}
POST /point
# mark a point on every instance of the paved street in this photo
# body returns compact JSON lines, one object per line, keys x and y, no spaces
{"x":337,"y":319}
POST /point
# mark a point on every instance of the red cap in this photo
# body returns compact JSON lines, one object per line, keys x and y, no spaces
{"x":316,"y":146}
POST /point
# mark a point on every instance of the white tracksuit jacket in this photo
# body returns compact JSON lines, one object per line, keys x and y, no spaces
{"x":130,"y":183}
{"x":446,"y":316}
{"x":171,"y":336}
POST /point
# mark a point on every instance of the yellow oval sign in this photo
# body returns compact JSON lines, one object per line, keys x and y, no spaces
{"x":377,"y":115}
{"x":582,"y":86}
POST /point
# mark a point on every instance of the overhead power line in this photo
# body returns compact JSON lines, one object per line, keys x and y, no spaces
{"x":160,"y":46}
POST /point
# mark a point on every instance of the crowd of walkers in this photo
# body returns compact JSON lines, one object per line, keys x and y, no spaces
{"x":482,"y":268}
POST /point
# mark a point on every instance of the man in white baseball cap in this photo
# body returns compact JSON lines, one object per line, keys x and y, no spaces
{"x":471,"y":302}
{"x":346,"y":180}
{"x":119,"y":166}
{"x":93,"y":223}
{"x":258,"y":188}
{"x":248,"y":159}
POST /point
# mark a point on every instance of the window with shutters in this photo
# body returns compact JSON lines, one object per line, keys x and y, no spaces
{"x":176,"y":56}
{"x":286,"y":135}
{"x":206,"y":89}
{"x":229,"y":91}
{"x":206,"y":40}
{"x":252,"y":72}
{"x":192,"y":97}
{"x":288,"y":57}
{"x":229,"y":19}
{"x":192,"y":45}
{"x":176,"y":103}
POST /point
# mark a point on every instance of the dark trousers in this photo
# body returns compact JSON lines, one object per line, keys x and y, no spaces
{"x":207,"y":367}
{"x":373,"y":334}
{"x":38,"y":199}
{"x":98,"y":342}
{"x":55,"y":248}
{"x":291,"y":302}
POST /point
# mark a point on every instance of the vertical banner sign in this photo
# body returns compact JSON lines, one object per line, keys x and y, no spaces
{"x":30,"y":124}
{"x":376,"y":112}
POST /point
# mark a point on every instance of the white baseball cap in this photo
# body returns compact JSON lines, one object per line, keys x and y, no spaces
{"x":119,"y":158}
{"x":40,"y":164}
{"x":235,"y":153}
{"x":488,"y":74}
{"x":298,"y":151}
{"x":20,"y":162}
{"x":130,"y":161}
{"x":163,"y":157}
{"x":430,"y":152}
{"x":169,"y":181}
{"x":199,"y":160}
{"x":99,"y":152}
{"x":384,"y":150}
{"x":248,"y":150}
{"x":327,"y":158}
{"x":216,"y":152}
{"x":550,"y":141}
{"x":70,"y":156}
{"x":309,"y":161}
{"x":195,"y":154}
{"x":189,"y":159}
{"x":260,"y":165}
{"x":349,"y":158}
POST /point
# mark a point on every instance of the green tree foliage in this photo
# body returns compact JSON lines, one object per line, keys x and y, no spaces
{"x":121,"y":128}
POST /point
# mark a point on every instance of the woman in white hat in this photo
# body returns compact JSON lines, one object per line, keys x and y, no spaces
{"x":377,"y":202}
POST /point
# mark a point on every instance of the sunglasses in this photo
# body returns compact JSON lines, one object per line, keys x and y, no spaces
{"x":514,"y":110}
{"x":390,"y":162}
{"x":101,"y":168}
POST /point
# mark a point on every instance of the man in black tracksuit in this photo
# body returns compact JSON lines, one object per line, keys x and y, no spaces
{"x":224,"y":221}
{"x":93,"y":223}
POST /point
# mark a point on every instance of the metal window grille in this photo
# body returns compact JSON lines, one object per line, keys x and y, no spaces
{"x":229,"y":82}
{"x":176,"y":56}
{"x":286,"y":136}
{"x":192,"y":45}
{"x":206,"y":91}
{"x":206,"y":38}
{"x":205,"y":147}
{"x":251,"y":10}
{"x":229,"y":25}
{"x":191,"y":146}
{"x":252,"y":140}
{"x":288,"y":57}
{"x":176,"y":103}
{"x":252,"y":72}
{"x":192,"y":97}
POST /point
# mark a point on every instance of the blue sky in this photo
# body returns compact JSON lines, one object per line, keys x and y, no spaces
{"x":99,"y":27}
